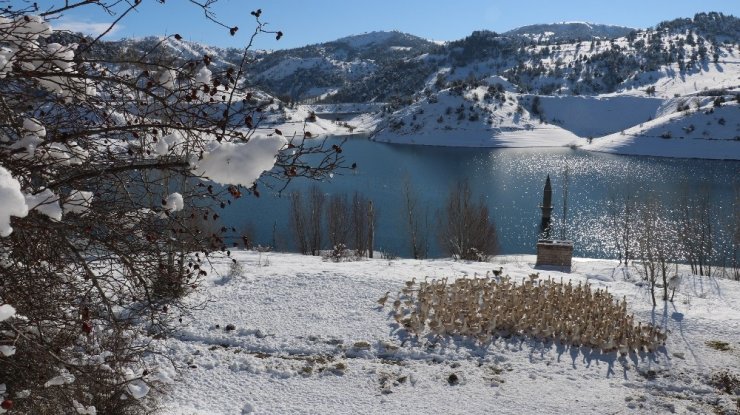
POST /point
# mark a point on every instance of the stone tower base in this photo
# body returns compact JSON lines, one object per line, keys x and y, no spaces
{"x":554,"y":253}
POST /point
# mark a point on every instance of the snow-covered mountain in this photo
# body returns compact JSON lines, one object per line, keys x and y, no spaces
{"x":322,"y":70}
{"x":571,"y":82}
{"x":570,"y":31}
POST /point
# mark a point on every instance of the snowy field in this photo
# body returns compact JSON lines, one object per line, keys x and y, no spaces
{"x":308,"y":337}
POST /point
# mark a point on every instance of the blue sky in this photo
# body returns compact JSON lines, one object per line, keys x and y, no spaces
{"x":313,"y":21}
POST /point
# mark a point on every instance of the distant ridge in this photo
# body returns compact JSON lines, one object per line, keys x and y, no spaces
{"x":571,"y":31}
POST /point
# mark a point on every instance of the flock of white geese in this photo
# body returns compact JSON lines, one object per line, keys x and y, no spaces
{"x":543,"y":309}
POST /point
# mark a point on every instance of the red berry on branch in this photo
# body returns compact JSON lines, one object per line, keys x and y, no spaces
{"x":7,"y":404}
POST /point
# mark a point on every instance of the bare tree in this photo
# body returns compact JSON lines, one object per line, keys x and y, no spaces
{"x":697,"y":232}
{"x":299,"y":222}
{"x":657,"y":243}
{"x":315,"y":210}
{"x":647,"y":246}
{"x":466,"y":231}
{"x":417,"y":222}
{"x":338,"y":219}
{"x":363,"y":222}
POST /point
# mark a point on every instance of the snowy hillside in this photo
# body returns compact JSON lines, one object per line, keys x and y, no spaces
{"x":310,"y":71}
{"x":314,"y":121}
{"x":293,"y":334}
{"x":570,"y":31}
{"x":553,"y":85}
{"x":487,"y":116}
{"x":697,"y":130}
{"x":381,"y":39}
{"x":596,"y":116}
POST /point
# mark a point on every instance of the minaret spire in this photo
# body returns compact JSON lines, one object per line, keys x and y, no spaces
{"x":546,"y":209}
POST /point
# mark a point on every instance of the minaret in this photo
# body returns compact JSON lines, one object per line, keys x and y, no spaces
{"x":546,"y":209}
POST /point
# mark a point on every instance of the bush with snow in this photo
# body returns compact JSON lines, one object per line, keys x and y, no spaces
{"x":91,"y":143}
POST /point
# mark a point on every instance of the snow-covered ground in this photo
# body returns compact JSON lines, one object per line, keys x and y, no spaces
{"x":309,"y":337}
{"x":473,"y":119}
{"x":704,"y":132}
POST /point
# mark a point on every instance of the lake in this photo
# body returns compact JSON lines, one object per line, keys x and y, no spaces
{"x":510,"y":181}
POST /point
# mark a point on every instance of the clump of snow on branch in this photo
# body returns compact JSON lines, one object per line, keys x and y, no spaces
{"x":64,"y":378}
{"x":34,"y":126}
{"x":64,"y":154}
{"x":82,"y":410}
{"x":170,"y":143}
{"x":21,"y":45}
{"x":45,"y":202}
{"x":12,"y":202}
{"x":137,"y":388}
{"x":167,"y":79}
{"x":240,"y":163}
{"x":6,"y":311}
{"x":203,"y":76}
{"x":7,"y":350}
{"x":174,"y":202}
{"x":63,"y":55}
{"x":34,"y":133}
{"x":24,"y":28}
{"x":78,"y":201}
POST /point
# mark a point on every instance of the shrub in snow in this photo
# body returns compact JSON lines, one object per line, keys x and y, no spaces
{"x":236,"y":269}
{"x":545,"y":310}
{"x":340,"y":253}
{"x":466,"y":230}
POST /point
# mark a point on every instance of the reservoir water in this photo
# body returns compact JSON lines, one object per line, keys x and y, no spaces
{"x":510,"y":181}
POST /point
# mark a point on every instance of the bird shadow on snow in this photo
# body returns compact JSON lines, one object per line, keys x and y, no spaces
{"x":435,"y":346}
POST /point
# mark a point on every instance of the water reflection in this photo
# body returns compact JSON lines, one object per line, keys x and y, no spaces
{"x":509,"y":180}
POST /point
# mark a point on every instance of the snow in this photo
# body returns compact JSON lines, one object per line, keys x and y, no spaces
{"x":289,"y":66}
{"x":240,"y":163}
{"x":309,"y":337}
{"x":64,"y":378}
{"x":171,"y":142}
{"x":203,"y":76}
{"x":451,"y":119}
{"x":78,"y":201}
{"x":167,"y":79}
{"x":174,"y":202}
{"x":707,"y":132}
{"x":45,"y":202}
{"x":82,"y":410}
{"x":596,"y":116}
{"x":6,"y":311}
{"x":7,"y":350}
{"x":63,"y":154}
{"x":12,"y":202}
{"x":367,"y":39}
{"x":539,"y":136}
{"x":33,"y":126}
{"x":138,"y":388}
{"x":35,"y":132}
